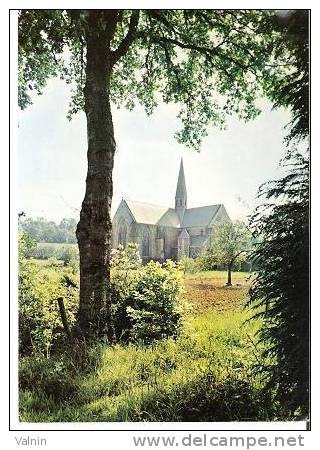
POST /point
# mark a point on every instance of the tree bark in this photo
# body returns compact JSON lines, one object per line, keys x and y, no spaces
{"x":229,"y":283}
{"x":94,"y":227}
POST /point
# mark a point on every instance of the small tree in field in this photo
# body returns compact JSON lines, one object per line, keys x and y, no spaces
{"x":230,"y":244}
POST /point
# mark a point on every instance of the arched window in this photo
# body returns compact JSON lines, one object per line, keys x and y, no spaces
{"x":122,"y":235}
{"x":161,"y":243}
{"x":145,"y":246}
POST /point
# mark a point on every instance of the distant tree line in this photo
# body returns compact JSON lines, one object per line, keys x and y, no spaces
{"x":42,"y":230}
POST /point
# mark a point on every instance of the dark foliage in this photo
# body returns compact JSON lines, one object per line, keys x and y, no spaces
{"x":293,"y":90}
{"x":280,"y":293}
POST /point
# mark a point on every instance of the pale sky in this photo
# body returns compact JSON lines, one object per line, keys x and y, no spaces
{"x":229,"y":169}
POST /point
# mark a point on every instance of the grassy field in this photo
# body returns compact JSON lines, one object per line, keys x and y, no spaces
{"x":46,"y":250}
{"x":207,"y":374}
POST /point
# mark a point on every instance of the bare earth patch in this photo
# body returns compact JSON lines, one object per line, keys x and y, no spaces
{"x":210,"y":293}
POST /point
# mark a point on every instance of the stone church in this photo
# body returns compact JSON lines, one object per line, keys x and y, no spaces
{"x":166,"y":233}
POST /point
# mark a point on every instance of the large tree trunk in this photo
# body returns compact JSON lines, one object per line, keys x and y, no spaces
{"x":94,"y":227}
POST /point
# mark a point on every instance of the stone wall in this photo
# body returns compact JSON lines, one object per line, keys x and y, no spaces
{"x":122,"y":217}
{"x":159,"y":242}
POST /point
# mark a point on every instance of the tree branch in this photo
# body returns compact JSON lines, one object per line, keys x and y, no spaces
{"x":156,"y":15}
{"x":236,"y":256}
{"x":181,"y":40}
{"x":128,"y":39}
{"x":201,"y":49}
{"x":170,"y":64}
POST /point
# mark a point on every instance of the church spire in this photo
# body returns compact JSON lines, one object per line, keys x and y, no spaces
{"x":181,"y":193}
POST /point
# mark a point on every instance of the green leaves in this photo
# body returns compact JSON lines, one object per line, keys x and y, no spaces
{"x":40,"y":324}
{"x":230,"y":243}
{"x":43,"y":36}
{"x":178,"y":55}
{"x":289,"y":85}
{"x":146,"y":304}
{"x":211,"y":63}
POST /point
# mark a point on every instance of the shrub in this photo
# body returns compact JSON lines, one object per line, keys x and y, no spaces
{"x":145,"y":299}
{"x":43,"y":251}
{"x":25,"y":245}
{"x":189,"y":265}
{"x":205,"y":262}
{"x":154,"y":311}
{"x":39,"y":320}
{"x":68,"y":254}
{"x":53,"y":262}
{"x":125,"y":259}
{"x":125,"y":263}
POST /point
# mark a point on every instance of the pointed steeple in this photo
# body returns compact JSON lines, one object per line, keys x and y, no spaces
{"x":181,"y":193}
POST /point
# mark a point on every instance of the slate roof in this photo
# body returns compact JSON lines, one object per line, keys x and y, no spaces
{"x":153,"y":214}
{"x":197,"y":241}
{"x":164,"y":216}
{"x":170,"y":219}
{"x":199,"y":217}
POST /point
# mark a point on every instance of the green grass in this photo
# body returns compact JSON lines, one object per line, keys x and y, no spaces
{"x":56,"y":244}
{"x":46,"y":264}
{"x":218,"y":275}
{"x":207,"y":374}
{"x":46,"y":250}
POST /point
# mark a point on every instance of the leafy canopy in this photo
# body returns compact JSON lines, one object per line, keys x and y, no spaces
{"x":230,"y":243}
{"x":211,"y":63}
{"x":292,"y":91}
{"x":42,"y":230}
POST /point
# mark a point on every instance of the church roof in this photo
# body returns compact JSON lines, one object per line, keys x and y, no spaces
{"x":181,"y":191}
{"x":161,"y":215}
{"x":170,"y":219}
{"x":199,"y":217}
{"x":153,"y":214}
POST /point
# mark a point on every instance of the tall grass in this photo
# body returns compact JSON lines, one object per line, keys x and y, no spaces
{"x":207,"y":374}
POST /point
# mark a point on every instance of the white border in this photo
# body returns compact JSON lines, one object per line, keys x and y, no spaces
{"x":164,"y":4}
